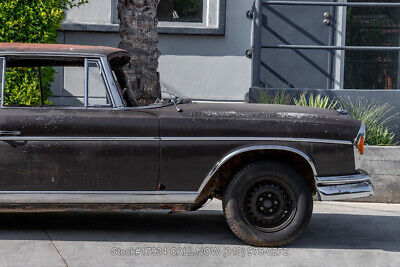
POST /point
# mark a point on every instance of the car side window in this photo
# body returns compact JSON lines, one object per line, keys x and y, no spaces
{"x":41,"y":82}
{"x":54,"y":82}
{"x":97,"y":88}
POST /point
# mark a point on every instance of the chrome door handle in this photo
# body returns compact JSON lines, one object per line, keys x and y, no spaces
{"x":10,"y":132}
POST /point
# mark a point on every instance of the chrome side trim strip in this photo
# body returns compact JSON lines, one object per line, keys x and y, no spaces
{"x":253,"y":148}
{"x":83,"y":138}
{"x":12,"y":133}
{"x":115,"y":197}
{"x":280,"y":139}
{"x":73,"y":138}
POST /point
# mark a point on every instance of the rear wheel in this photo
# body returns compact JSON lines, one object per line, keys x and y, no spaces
{"x":268,"y":204}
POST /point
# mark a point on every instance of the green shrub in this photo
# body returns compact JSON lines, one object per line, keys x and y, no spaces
{"x":375,"y":115}
{"x":31,"y":21}
{"x":315,"y":102}
{"x":280,"y":97}
{"x":23,"y":86}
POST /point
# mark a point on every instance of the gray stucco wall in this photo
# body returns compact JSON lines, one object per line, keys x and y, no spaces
{"x":318,"y":71}
{"x":204,"y":67}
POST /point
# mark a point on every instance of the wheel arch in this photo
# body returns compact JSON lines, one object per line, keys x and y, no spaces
{"x":227,"y":166}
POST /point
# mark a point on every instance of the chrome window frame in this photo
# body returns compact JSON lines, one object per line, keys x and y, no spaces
{"x":101,"y":60}
{"x":111,"y":84}
{"x":86,"y":82}
{"x":3,"y":78}
{"x":106,"y":82}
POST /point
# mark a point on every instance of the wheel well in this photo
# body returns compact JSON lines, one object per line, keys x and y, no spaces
{"x":225,"y":173}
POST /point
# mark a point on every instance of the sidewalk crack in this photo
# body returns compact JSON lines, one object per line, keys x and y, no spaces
{"x":59,"y":253}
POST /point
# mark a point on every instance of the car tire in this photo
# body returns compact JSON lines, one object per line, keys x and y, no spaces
{"x":268,"y":204}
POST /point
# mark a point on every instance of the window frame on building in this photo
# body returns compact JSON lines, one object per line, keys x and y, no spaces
{"x":214,"y":17}
{"x":214,"y":21}
{"x":340,"y":55}
{"x":203,"y":22}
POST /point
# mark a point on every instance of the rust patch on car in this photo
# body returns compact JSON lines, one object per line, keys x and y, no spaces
{"x":110,"y":52}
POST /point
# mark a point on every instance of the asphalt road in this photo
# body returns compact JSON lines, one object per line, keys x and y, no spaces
{"x":340,"y":234}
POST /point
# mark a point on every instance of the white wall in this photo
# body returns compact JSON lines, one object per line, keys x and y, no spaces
{"x":94,"y":12}
{"x":195,"y":66}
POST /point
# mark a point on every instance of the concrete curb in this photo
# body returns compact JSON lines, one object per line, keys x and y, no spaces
{"x":383,"y":164}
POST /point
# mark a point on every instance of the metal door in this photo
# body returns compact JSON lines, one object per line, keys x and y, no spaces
{"x":296,"y":25}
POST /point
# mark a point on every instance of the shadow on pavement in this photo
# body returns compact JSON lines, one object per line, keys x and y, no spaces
{"x":326,"y":231}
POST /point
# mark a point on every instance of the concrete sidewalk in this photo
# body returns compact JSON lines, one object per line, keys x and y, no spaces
{"x":340,"y":234}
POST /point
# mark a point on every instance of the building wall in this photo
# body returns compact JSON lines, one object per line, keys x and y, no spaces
{"x":316,"y":71}
{"x":198,"y":66}
{"x":94,"y":12}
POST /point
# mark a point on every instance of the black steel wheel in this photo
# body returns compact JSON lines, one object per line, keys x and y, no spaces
{"x":268,"y":204}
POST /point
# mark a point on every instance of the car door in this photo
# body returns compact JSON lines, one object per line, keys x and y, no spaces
{"x":96,"y":147}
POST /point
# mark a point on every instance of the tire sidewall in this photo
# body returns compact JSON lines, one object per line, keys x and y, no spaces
{"x":285,"y":173}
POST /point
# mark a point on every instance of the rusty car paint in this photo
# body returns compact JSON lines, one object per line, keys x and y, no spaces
{"x":66,"y":49}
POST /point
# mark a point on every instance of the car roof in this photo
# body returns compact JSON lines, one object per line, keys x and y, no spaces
{"x":61,"y":49}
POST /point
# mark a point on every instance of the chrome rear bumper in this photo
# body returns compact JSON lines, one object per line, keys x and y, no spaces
{"x":344,"y":187}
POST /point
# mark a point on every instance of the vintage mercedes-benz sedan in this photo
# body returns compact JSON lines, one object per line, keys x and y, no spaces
{"x":84,"y":147}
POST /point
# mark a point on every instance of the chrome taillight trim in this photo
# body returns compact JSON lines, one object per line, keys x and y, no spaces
{"x":361,"y":133}
{"x":357,"y":153}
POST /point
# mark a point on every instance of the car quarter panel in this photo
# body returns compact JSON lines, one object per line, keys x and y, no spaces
{"x":195,"y":140}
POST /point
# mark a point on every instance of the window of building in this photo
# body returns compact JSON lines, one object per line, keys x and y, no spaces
{"x":181,"y":10}
{"x":175,"y":17}
{"x":192,"y":16}
{"x":372,"y":26}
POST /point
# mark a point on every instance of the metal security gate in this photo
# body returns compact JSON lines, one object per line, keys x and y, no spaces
{"x":294,"y":43}
{"x":302,"y":45}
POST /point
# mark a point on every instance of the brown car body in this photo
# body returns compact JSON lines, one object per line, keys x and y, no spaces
{"x":155,"y":157}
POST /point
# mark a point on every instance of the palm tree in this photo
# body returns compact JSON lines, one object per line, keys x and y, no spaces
{"x":138,"y":32}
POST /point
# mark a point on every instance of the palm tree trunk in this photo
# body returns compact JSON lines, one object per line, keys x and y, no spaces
{"x":138,"y":32}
